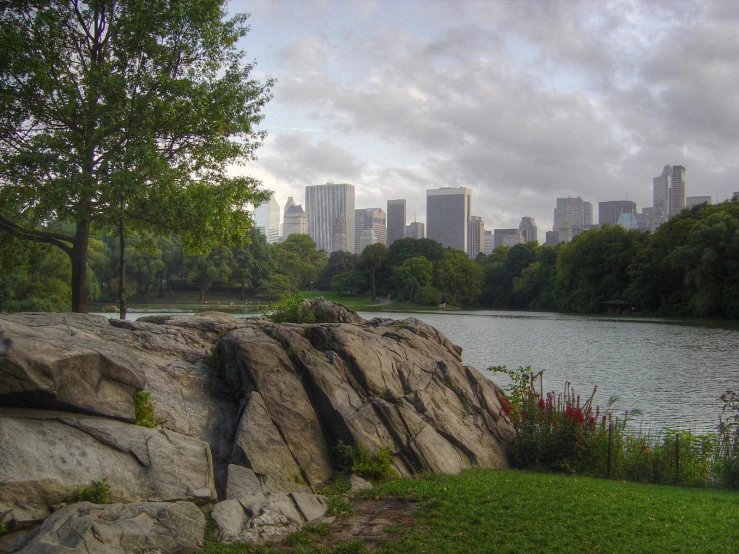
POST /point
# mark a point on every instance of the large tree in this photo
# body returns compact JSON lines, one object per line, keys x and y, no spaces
{"x":117,"y":111}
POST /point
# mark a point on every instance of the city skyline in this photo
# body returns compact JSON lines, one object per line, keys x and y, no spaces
{"x":521,"y":102}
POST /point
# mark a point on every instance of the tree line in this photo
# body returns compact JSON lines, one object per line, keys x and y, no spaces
{"x":689,"y":266}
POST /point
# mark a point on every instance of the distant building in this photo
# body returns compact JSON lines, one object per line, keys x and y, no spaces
{"x":576,"y":211}
{"x":369,"y":219}
{"x":447,"y":215}
{"x":528,"y":229}
{"x":661,"y":197}
{"x":677,"y":190}
{"x":330,"y":214}
{"x":610,"y":212}
{"x":628,"y":221}
{"x":414,"y":230}
{"x":552,"y":238}
{"x":489,"y":242}
{"x":293,"y":219}
{"x":691,"y":201}
{"x":267,"y":219}
{"x":506,"y":237}
{"x":644,"y":219}
{"x":475,"y":236}
{"x":395,"y":220}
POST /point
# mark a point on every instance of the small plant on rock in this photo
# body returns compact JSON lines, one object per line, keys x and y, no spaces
{"x":144,"y":412}
{"x":98,"y":493}
{"x":292,"y":309}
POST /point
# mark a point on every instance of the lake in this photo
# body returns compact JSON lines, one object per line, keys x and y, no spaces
{"x":672,"y":370}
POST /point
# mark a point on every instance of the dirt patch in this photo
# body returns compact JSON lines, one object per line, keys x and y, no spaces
{"x":373,"y":521}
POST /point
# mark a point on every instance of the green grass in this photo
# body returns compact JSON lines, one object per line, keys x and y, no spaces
{"x":487,"y":511}
{"x":516,"y":511}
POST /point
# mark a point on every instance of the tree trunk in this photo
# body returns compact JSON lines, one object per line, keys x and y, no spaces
{"x":122,"y":281}
{"x":80,"y":294}
{"x":374,"y":291}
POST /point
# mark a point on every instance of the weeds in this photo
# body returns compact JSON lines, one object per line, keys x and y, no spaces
{"x":144,"y":412}
{"x":358,"y":459}
{"x":98,"y":493}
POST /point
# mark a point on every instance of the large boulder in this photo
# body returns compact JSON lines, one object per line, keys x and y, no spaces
{"x":47,"y":457}
{"x":87,"y":528}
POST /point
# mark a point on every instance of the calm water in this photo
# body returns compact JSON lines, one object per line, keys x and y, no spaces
{"x":672,"y":370}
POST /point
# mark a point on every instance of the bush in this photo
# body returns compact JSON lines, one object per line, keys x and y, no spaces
{"x":292,"y":309}
{"x":728,"y":450}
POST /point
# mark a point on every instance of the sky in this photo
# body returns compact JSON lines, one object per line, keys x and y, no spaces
{"x":522,"y":101}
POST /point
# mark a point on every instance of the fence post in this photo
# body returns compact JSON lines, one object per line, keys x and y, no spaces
{"x":677,"y":458}
{"x":610,"y":436}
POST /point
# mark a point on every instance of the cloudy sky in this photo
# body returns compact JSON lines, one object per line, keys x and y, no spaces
{"x":522,"y":101}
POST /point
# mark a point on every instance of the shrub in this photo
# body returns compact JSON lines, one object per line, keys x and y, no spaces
{"x":292,"y":309}
{"x":728,"y":430}
{"x":358,"y":459}
{"x":98,"y":493}
{"x":144,"y":412}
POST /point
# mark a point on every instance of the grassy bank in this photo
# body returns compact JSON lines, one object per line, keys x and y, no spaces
{"x":515,"y":511}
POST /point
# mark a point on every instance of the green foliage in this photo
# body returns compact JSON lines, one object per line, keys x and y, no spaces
{"x":98,"y":493}
{"x":358,"y":459}
{"x":338,"y":506}
{"x":3,"y":528}
{"x":559,"y":432}
{"x":338,"y":262}
{"x":352,"y":281}
{"x":292,"y":309}
{"x":728,"y":451}
{"x":144,"y":411}
{"x":412,"y":274}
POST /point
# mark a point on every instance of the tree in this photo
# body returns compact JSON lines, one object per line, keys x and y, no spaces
{"x":339,"y":261}
{"x":404,"y":249}
{"x":349,"y":282}
{"x":374,"y":260}
{"x":458,"y":276}
{"x":413,"y":274}
{"x":298,"y":258}
{"x":117,"y":111}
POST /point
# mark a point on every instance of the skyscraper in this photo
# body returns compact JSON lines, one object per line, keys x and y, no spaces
{"x":371,"y":221}
{"x":267,"y":219}
{"x":395,"y":220}
{"x":447,"y":214}
{"x":661,"y":197}
{"x":609,"y":212}
{"x":528,"y":229}
{"x":576,"y":211}
{"x":475,"y":236}
{"x":691,"y":201}
{"x":293,"y":219}
{"x":414,"y":230}
{"x":329,"y":210}
{"x":677,"y":190}
{"x":507,"y":237}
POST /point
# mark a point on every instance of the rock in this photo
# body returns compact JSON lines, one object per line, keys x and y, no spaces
{"x":268,"y":370}
{"x":331,"y":312}
{"x":259,"y":445}
{"x":62,"y":367}
{"x":46,"y":457}
{"x":358,"y":484}
{"x":230,"y":518}
{"x":311,"y":506}
{"x":87,"y":528}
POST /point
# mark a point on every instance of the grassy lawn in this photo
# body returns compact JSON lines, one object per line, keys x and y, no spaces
{"x":515,"y":511}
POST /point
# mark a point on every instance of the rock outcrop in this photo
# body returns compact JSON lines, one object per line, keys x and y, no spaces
{"x":250,"y":414}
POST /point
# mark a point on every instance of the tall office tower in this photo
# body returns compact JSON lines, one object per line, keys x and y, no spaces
{"x":414,"y":230}
{"x":661,"y":197}
{"x":507,"y":237}
{"x":395,"y":220}
{"x":677,"y":190}
{"x":644,"y":219}
{"x":447,"y":214}
{"x":293,"y":219}
{"x":552,"y":238}
{"x":574,"y":210}
{"x":691,"y":201}
{"x":475,"y":236}
{"x":328,"y":207}
{"x":489,"y":242}
{"x":528,"y":229}
{"x":373,"y":220}
{"x":609,"y":212}
{"x":267,"y":219}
